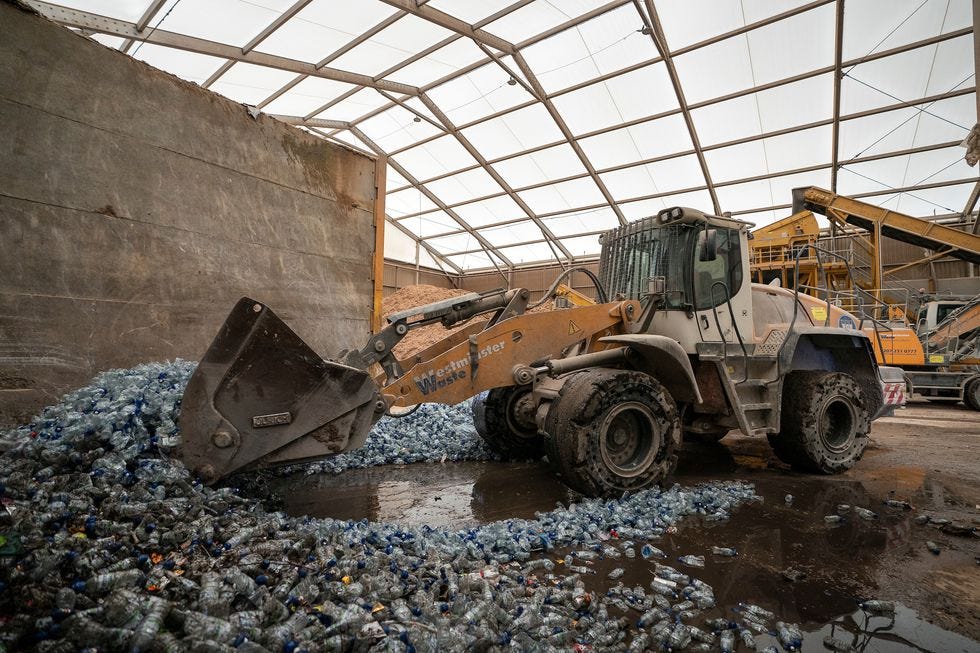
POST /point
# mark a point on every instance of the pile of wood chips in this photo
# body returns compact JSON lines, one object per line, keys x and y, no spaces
{"x":426,"y":336}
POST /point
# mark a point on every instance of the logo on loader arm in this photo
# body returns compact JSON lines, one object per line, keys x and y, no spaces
{"x":451,"y":372}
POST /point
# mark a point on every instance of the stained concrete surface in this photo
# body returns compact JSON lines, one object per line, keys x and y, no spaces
{"x":926,"y":455}
{"x":136,"y":209}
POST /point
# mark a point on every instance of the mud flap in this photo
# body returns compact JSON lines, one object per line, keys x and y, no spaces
{"x":261,"y":397}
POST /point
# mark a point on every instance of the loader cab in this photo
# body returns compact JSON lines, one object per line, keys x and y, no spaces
{"x":690,"y":265}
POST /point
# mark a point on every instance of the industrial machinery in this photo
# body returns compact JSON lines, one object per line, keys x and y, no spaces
{"x":680,"y":340}
{"x":940,"y":361}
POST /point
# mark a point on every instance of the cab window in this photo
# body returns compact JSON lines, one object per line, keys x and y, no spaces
{"x":723,"y":274}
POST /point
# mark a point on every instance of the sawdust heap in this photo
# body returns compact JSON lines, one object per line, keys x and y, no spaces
{"x":422,"y":337}
{"x":410,"y":297}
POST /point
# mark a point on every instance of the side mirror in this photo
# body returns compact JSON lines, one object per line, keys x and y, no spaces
{"x":708,"y":245}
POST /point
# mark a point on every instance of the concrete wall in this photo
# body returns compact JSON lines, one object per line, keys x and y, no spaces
{"x":136,"y":208}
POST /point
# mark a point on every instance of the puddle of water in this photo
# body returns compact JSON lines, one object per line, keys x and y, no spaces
{"x":839,"y":563}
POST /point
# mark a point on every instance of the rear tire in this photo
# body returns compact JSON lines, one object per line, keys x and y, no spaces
{"x":612,"y":431}
{"x":497,"y":420}
{"x":971,"y":394}
{"x":825,"y":422}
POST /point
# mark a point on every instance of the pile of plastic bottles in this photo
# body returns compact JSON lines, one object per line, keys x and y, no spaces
{"x":110,"y":543}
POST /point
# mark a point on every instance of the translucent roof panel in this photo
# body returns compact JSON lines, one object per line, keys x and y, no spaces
{"x":507,"y":163}
{"x":491,"y":211}
{"x":582,"y":245}
{"x":886,"y":24}
{"x":323,"y":27}
{"x":770,"y":155}
{"x":250,"y":84}
{"x":391,"y":45}
{"x":645,"y":140}
{"x":444,"y":154}
{"x":800,"y":103}
{"x":700,"y":200}
{"x":471,"y":12}
{"x":407,"y":202}
{"x":444,"y":61}
{"x":603,"y":45}
{"x":925,"y":71}
{"x":430,"y":224}
{"x":187,"y":65}
{"x":566,"y":195}
{"x":477,"y":94}
{"x":514,"y":132}
{"x":938,"y":122}
{"x":537,"y":167}
{"x":654,"y":178}
{"x":637,"y":94}
{"x":536,"y":17}
{"x":212,"y":20}
{"x":582,"y":221}
{"x":397,"y":128}
{"x":518,"y":232}
{"x":533,"y":253}
{"x":128,"y":10}
{"x":476,"y":261}
{"x":465,"y":186}
{"x":307,"y":96}
{"x":360,"y":103}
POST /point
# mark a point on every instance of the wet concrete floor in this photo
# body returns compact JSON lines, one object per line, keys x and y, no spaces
{"x":835,"y":566}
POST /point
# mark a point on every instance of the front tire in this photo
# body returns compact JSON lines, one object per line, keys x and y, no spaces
{"x":499,"y":420}
{"x":971,"y":394}
{"x":825,"y":422}
{"x":612,"y":431}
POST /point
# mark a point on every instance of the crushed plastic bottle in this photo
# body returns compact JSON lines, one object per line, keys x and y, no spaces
{"x":864,"y":513}
{"x":692,"y":560}
{"x":127,"y":551}
{"x":724,"y":551}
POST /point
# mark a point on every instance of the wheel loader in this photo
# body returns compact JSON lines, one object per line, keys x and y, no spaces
{"x":679,"y":342}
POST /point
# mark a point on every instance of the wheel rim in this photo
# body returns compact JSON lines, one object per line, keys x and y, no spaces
{"x":514,"y":413}
{"x":836,"y":424}
{"x":629,"y":438}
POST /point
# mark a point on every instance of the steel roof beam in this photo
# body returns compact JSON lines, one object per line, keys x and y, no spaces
{"x":468,"y":146}
{"x":485,"y":40}
{"x":722,"y":184}
{"x":746,"y":212}
{"x":142,"y":22}
{"x":112,"y":26}
{"x":656,"y":31}
{"x":703,"y":103}
{"x":453,"y":24}
{"x":838,"y":64}
{"x":484,"y":243}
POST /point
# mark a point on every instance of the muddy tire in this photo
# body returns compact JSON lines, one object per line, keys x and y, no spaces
{"x":612,"y":431}
{"x":825,"y":422}
{"x":971,"y":394}
{"x":498,"y":421}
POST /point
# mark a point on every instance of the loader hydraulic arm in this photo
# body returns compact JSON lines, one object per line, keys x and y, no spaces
{"x":262,"y":397}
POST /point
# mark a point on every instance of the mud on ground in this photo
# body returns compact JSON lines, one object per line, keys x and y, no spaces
{"x":926,"y":455}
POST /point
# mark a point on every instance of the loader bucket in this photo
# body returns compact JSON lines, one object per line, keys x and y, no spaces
{"x":261,"y":397}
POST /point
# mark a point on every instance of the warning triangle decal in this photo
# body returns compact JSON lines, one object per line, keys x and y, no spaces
{"x":572,"y":328}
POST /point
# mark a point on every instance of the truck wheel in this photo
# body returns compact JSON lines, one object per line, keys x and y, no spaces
{"x":825,"y":422}
{"x":971,"y":394}
{"x":612,"y":431}
{"x":501,"y":418}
